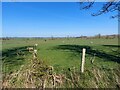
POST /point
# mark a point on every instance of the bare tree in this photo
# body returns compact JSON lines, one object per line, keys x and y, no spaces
{"x":109,"y":6}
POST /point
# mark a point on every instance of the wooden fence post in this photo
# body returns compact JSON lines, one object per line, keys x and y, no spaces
{"x":83,"y":60}
{"x":35,"y":54}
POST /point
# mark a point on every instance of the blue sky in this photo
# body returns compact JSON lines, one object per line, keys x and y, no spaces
{"x":48,"y":19}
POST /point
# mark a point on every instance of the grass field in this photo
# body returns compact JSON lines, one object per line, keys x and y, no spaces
{"x":63,"y":54}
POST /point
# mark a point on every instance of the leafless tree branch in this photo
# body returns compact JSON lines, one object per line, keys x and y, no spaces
{"x":110,"y":6}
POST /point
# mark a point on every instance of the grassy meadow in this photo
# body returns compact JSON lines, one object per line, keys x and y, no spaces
{"x":64,"y":55}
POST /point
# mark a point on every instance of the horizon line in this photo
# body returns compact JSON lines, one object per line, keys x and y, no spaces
{"x":55,"y":36}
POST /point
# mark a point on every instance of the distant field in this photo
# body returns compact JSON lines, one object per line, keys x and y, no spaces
{"x":61,"y":53}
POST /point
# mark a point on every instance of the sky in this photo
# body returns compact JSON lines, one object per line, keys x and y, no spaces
{"x":57,"y":19}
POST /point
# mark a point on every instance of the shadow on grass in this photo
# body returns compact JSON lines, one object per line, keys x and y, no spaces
{"x":13,"y":52}
{"x":114,"y":46}
{"x":90,"y":51}
{"x":117,"y":46}
{"x":14,"y":57}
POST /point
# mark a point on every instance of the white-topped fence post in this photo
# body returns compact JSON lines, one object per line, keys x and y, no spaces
{"x":83,"y":60}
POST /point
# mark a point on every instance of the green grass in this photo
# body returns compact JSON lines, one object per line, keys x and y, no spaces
{"x":62,"y":53}
{"x":65,"y":55}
